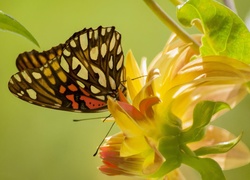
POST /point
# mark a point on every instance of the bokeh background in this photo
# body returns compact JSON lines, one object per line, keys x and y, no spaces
{"x":44,"y":144}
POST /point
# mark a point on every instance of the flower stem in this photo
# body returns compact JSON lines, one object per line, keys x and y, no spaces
{"x":188,"y":151}
{"x":176,"y":2}
{"x":172,"y":25}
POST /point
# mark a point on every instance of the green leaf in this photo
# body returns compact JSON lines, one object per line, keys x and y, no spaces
{"x":208,"y":168}
{"x":202,"y":115}
{"x":218,"y":148}
{"x":172,"y":125}
{"x":10,"y":24}
{"x":170,"y":149}
{"x":204,"y":111}
{"x":224,"y":32}
{"x":169,"y":144}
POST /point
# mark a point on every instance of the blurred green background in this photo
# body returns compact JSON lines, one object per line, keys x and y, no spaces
{"x":44,"y":144}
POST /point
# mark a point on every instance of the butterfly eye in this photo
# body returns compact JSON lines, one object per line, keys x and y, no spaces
{"x":78,"y":75}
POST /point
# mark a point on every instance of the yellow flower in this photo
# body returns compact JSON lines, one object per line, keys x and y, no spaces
{"x":163,"y":126}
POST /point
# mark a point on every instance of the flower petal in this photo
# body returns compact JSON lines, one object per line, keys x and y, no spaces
{"x":134,"y":145}
{"x":133,"y":71}
{"x":146,"y":106}
{"x":125,"y":116}
{"x":236,"y":157}
{"x":148,"y":89}
{"x":114,"y":164}
{"x":175,"y":175}
{"x":209,"y":78}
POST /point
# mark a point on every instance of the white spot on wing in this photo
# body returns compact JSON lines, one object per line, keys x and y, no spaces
{"x":66,"y":52}
{"x":17,"y":77}
{"x":11,"y":81}
{"x":32,"y":94}
{"x":26,"y":77}
{"x":90,"y":34}
{"x":84,"y":41}
{"x":119,"y":49}
{"x":102,"y":78}
{"x":112,"y":83}
{"x":36,"y":75}
{"x":100,"y":97}
{"x":83,"y":72}
{"x":94,"y":89}
{"x":108,"y":29}
{"x":80,"y":84}
{"x":118,"y":36}
{"x":103,"y":49}
{"x":75,"y":62}
{"x":112,"y":43}
{"x":78,"y":111}
{"x":72,"y":43}
{"x":64,"y":64}
{"x":103,"y":32}
{"x":57,"y":105}
{"x":120,"y":63}
{"x":21,"y":93}
{"x":94,"y":53}
{"x":111,"y":63}
{"x":96,"y":34}
{"x":41,"y":68}
{"x":123,"y":74}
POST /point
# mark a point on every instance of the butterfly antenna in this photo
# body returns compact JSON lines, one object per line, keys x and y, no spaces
{"x":97,"y":149}
{"x":139,"y":77}
{"x":87,"y":119}
{"x":136,"y":78}
{"x":107,"y":117}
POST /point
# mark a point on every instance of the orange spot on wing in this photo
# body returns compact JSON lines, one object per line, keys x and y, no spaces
{"x":72,"y":87}
{"x":84,"y":92}
{"x":70,"y":97}
{"x":92,"y":103}
{"x":62,"y":89}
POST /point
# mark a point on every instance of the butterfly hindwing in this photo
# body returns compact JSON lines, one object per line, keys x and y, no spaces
{"x":33,"y":59}
{"x":75,"y":76}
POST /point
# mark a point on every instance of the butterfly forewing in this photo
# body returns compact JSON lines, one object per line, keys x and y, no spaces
{"x":94,"y":59}
{"x":75,"y":76}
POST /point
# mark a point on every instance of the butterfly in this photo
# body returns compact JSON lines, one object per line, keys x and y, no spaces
{"x":78,"y":75}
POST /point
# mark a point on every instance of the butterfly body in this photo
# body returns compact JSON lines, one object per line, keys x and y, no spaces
{"x":78,"y":75}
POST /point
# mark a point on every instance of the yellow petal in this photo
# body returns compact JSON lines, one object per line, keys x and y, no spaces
{"x":114,"y":163}
{"x":153,"y":159}
{"x":133,"y":71}
{"x":210,"y":78}
{"x":139,"y":118}
{"x":133,"y":146}
{"x":229,"y":92}
{"x":132,"y":90}
{"x":212,"y":66}
{"x":148,"y":89}
{"x":123,"y":117}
